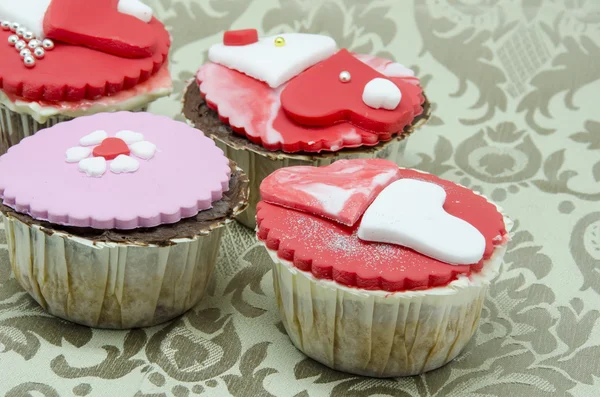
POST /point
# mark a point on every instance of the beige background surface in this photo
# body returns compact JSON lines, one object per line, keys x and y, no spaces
{"x":515,"y":85}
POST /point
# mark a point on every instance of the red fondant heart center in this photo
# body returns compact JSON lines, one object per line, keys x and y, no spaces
{"x":319,"y":97}
{"x":98,"y":24}
{"x":110,"y":148}
{"x":341,"y":191}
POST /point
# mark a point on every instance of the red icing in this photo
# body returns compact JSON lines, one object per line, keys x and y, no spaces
{"x":97,"y":24}
{"x":232,"y":93}
{"x":339,"y":101}
{"x":364,"y":178}
{"x":240,"y":37}
{"x":74,"y":73}
{"x":110,"y":148}
{"x":330,"y":250}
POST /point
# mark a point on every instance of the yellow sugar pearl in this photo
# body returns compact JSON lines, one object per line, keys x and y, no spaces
{"x":279,"y":41}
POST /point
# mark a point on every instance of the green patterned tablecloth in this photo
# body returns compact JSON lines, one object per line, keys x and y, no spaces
{"x":515,"y":88}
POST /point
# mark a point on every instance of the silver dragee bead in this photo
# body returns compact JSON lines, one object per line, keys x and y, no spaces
{"x":33,"y":44}
{"x":14,"y":26}
{"x":28,"y":35}
{"x":12,"y":40}
{"x":5,"y":25}
{"x":25,"y":52}
{"x":29,"y":61}
{"x":39,"y":53}
{"x":48,"y":44}
{"x":20,"y":45}
{"x":21,"y":31}
{"x":345,"y":77}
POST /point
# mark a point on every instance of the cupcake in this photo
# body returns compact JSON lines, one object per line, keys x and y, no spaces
{"x":295,"y":99}
{"x":114,"y":220}
{"x":378,"y":270}
{"x":69,"y":58}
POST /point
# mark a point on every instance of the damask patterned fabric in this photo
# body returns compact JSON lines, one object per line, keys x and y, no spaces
{"x":515,"y":90}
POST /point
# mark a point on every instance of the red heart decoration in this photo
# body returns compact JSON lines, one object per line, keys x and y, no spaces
{"x":97,"y":24}
{"x":318,"y":98}
{"x":110,"y":148}
{"x":341,"y":191}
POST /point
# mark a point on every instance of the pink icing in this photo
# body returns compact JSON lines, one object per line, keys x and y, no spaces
{"x":254,"y":109}
{"x":187,"y":173}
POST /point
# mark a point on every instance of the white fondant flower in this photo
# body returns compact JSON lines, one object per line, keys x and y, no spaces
{"x":112,"y":156}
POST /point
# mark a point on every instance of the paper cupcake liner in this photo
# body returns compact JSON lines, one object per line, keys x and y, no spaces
{"x":14,"y":126}
{"x":258,"y":167}
{"x":378,"y":333}
{"x":110,"y":285}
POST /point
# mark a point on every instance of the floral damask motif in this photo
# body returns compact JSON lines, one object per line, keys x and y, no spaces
{"x":250,"y":383}
{"x":256,"y":264}
{"x":200,"y":18}
{"x":557,"y":179}
{"x":585,"y":249}
{"x":25,"y":389}
{"x":357,"y":25}
{"x":589,"y":136}
{"x":503,"y":155}
{"x":191,"y":356}
{"x":574,"y":68}
{"x":499,"y":155}
{"x":116,"y":364}
{"x":22,"y":334}
{"x":439,"y":33}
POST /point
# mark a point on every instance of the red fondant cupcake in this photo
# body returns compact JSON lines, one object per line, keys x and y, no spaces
{"x":379,"y":270}
{"x":296,"y":99}
{"x":70,"y":58}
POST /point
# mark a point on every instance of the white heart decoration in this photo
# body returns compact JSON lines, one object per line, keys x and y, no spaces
{"x":78,"y":153}
{"x":382,"y":93}
{"x":135,"y":8}
{"x":93,"y":166}
{"x":396,"y":69}
{"x":95,"y":138}
{"x":410,"y":212}
{"x":130,"y":137}
{"x":144,"y":150}
{"x":275,"y":65}
{"x":123,"y":164}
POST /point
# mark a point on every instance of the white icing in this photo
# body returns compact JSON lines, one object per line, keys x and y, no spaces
{"x":93,"y":166}
{"x":27,"y":13}
{"x":398,"y":70}
{"x":135,"y":8}
{"x":123,"y":164}
{"x":332,"y":198}
{"x":94,"y":138}
{"x":275,"y":65}
{"x":78,"y":153}
{"x":130,"y":137}
{"x":410,"y":212}
{"x":144,"y":149}
{"x":382,"y":93}
{"x":383,"y":178}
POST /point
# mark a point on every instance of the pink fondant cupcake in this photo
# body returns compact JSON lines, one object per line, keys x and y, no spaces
{"x":295,"y":99}
{"x":379,"y":270}
{"x":114,"y":220}
{"x":67,"y":58}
